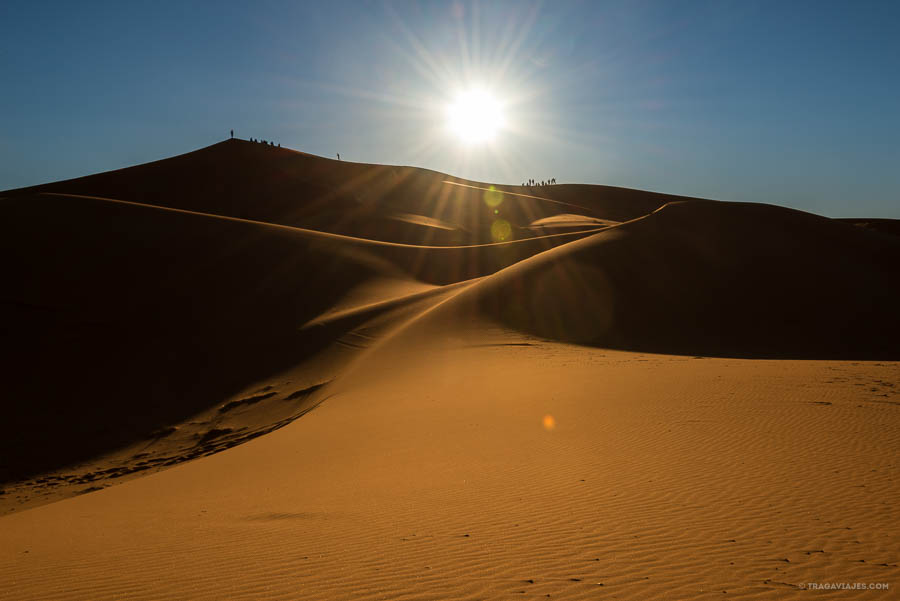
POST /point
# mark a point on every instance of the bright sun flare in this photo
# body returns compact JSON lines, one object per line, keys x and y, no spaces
{"x":475,"y":116}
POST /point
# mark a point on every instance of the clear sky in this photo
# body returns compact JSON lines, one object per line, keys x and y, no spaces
{"x":788,"y":102}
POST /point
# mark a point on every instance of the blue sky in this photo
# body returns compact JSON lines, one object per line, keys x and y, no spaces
{"x":793,"y":103}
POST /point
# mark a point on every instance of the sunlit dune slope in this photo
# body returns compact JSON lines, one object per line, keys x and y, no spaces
{"x":569,"y":222}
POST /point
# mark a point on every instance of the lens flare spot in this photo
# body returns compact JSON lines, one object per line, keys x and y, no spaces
{"x":501,"y":230}
{"x":549,"y":422}
{"x":493,"y":197}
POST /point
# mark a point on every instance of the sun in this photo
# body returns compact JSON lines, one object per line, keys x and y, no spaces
{"x":475,"y":116}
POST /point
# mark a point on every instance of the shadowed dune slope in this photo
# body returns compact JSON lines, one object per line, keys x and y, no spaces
{"x":709,"y":278}
{"x":127,"y":318}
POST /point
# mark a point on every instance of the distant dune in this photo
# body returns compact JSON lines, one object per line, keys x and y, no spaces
{"x":504,"y":387}
{"x":258,"y":182}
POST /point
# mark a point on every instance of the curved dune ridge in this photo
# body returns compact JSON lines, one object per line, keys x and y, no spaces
{"x":504,"y":388}
{"x":570,"y":220}
{"x":712,"y":278}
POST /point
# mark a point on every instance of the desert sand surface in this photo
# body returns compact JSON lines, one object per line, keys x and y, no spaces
{"x":252,"y":373}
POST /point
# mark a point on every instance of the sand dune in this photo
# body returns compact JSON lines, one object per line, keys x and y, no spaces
{"x":714,"y":279}
{"x":663,"y":477}
{"x":277,"y":185}
{"x":117,"y":307}
{"x":467,"y":429}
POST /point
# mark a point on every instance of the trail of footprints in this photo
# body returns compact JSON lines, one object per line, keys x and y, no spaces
{"x":207,"y":442}
{"x":874,"y":390}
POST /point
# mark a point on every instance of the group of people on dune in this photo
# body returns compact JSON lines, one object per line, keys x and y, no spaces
{"x":266,"y":142}
{"x":533,"y":182}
